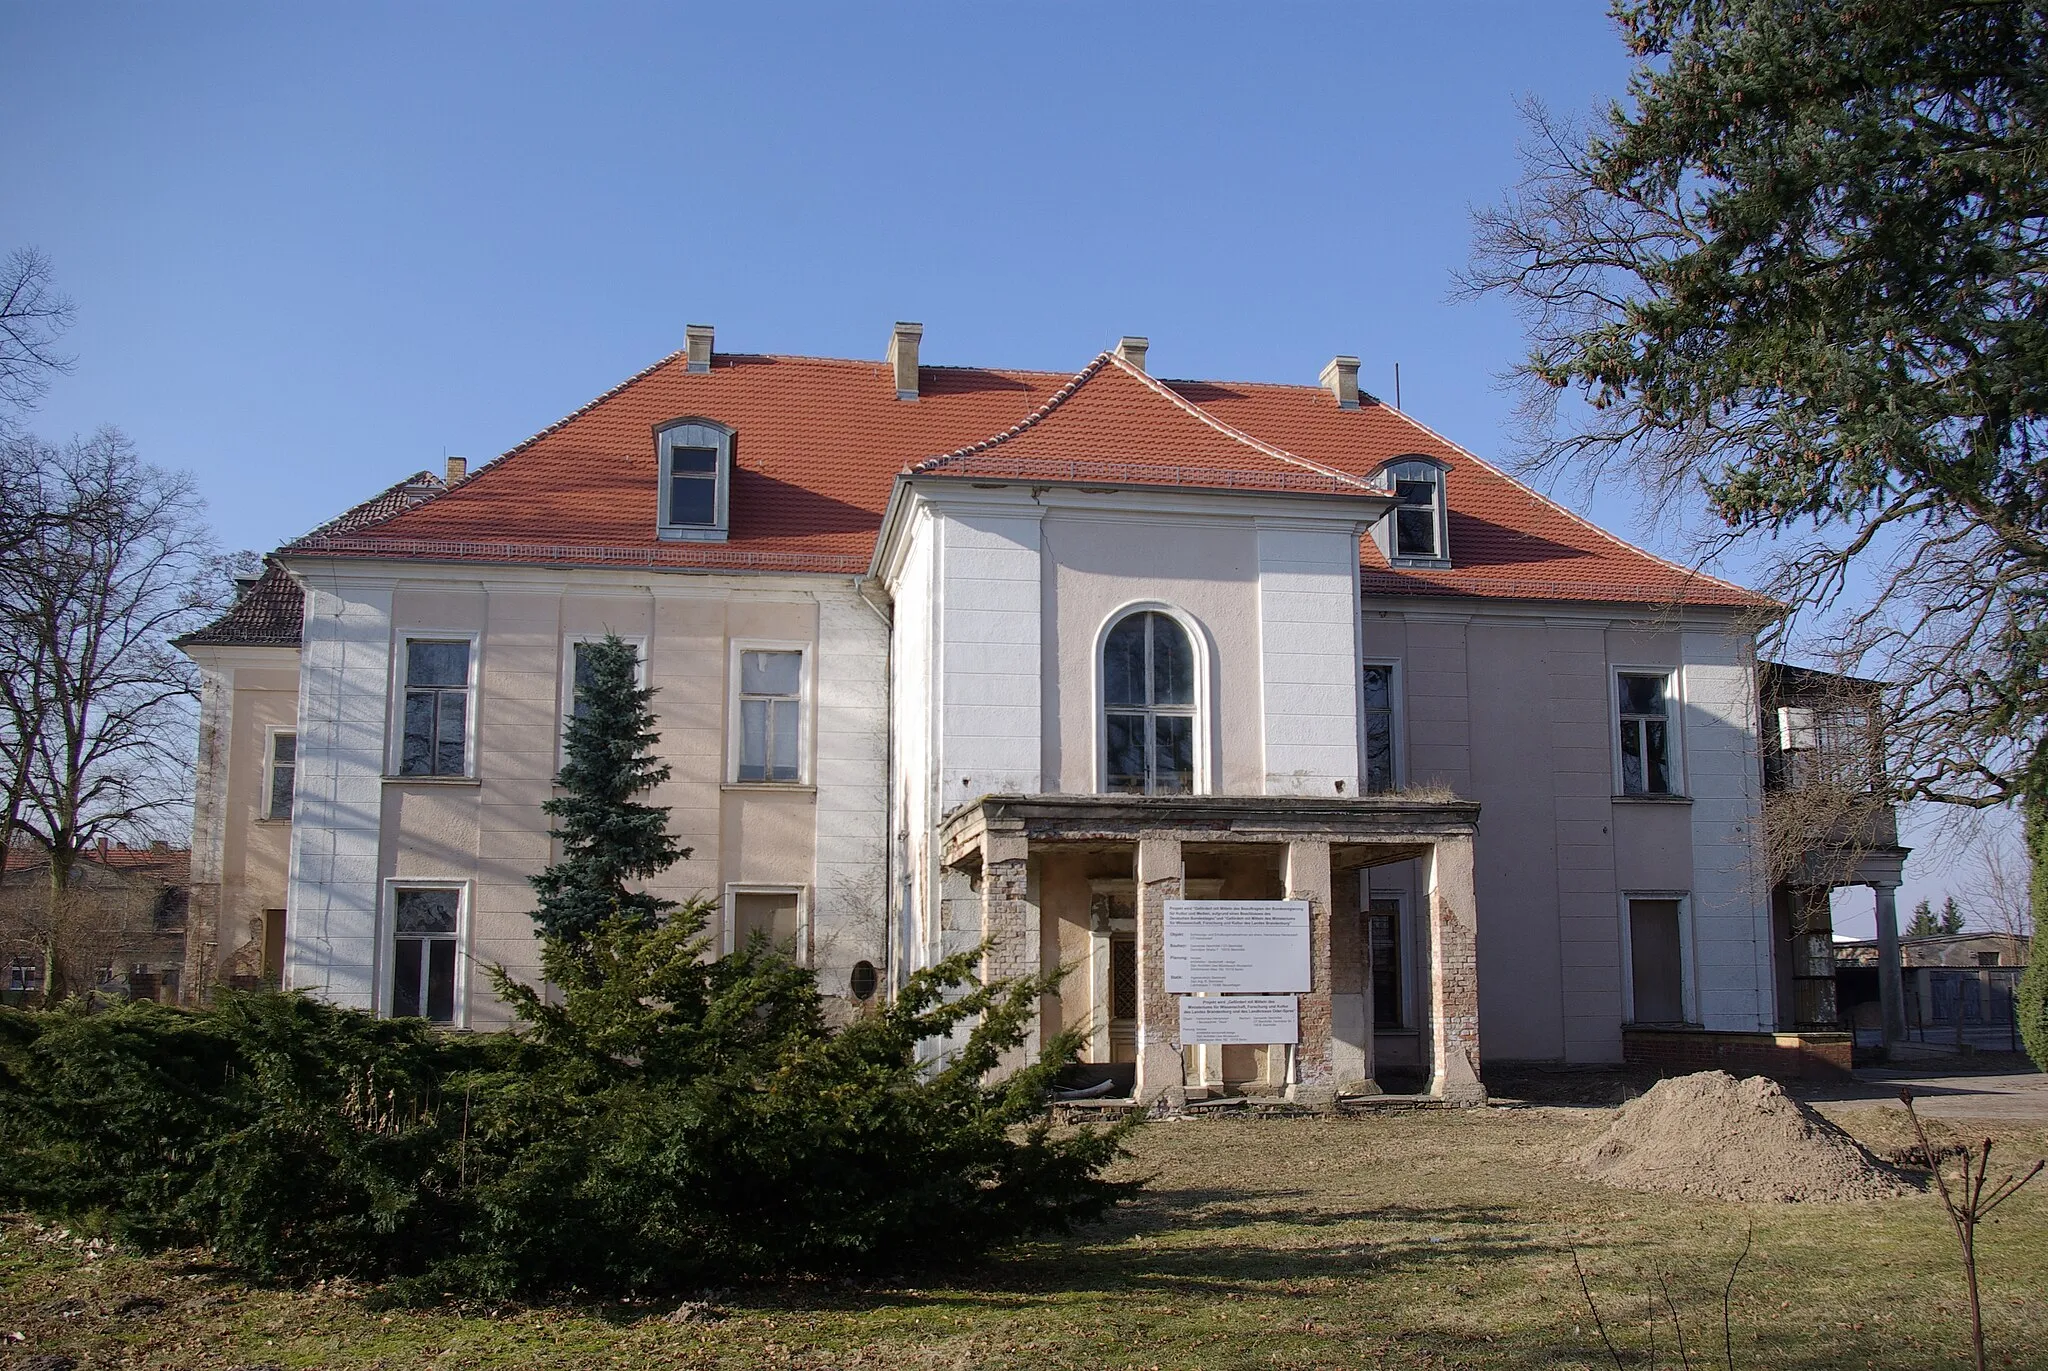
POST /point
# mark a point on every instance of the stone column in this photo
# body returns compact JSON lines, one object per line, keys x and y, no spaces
{"x":1351,"y":1063}
{"x":1308,"y":878}
{"x":1162,"y":1080}
{"x":1009,"y":923}
{"x":1891,"y":990}
{"x":1453,"y":975}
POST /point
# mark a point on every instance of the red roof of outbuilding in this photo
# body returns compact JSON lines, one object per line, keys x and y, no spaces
{"x":819,"y":443}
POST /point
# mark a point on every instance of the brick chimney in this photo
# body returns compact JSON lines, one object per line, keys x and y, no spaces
{"x":1132,"y":350}
{"x":1340,"y":378}
{"x":697,"y":346}
{"x":458,"y":467}
{"x":902,"y":359}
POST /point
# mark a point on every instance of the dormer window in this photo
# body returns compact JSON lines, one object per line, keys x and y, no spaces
{"x":696,"y":479}
{"x":1417,"y":530}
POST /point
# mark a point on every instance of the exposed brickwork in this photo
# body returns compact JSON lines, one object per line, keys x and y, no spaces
{"x":1454,"y":975}
{"x":1781,"y":1056}
{"x":1162,"y":1078}
{"x":1308,"y":878}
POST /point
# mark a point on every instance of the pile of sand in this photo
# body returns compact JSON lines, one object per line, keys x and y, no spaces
{"x":1710,"y":1134}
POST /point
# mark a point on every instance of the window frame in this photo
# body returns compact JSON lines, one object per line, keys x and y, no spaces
{"x":565,"y":702}
{"x":807,"y":694}
{"x":1689,"y":985}
{"x":693,"y":431}
{"x":1674,"y":731}
{"x":1199,"y":711}
{"x":386,"y":994}
{"x":1405,"y":952}
{"x":1398,"y":721}
{"x":394,"y":759}
{"x":1386,"y":530}
{"x":268,"y":812}
{"x":729,"y":916}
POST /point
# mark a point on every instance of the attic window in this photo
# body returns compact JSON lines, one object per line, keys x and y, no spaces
{"x":1417,"y":530}
{"x":696,"y":479}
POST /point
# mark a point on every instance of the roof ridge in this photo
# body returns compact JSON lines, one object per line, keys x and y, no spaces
{"x":340,"y":522}
{"x":1689,"y":573}
{"x":1081,"y":378}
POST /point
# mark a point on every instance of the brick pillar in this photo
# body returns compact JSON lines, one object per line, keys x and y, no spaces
{"x":1009,"y":923}
{"x":1162,"y":1082}
{"x":1308,"y":878}
{"x":1453,"y":975}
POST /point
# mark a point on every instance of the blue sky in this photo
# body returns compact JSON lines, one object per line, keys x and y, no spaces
{"x":314,"y":248}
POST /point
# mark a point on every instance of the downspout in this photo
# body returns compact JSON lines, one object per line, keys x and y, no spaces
{"x":887,"y":980}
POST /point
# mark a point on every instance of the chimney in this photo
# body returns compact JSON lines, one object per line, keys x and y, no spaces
{"x":458,"y":467}
{"x":903,"y":357}
{"x":1340,"y":378}
{"x":697,"y":346}
{"x":1132,"y":350}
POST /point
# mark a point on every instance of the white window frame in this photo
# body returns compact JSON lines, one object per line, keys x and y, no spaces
{"x":730,"y":916}
{"x":1384,"y":531}
{"x":1405,"y":947}
{"x":1199,"y":641}
{"x":1395,"y":694}
{"x":1689,"y":989}
{"x":387,"y":941}
{"x":265,"y":808}
{"x":566,"y":702}
{"x":694,"y":432}
{"x":394,"y":752}
{"x":807,"y":694}
{"x":1674,"y":731}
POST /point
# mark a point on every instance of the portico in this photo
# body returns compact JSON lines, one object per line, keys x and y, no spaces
{"x":1082,"y":882}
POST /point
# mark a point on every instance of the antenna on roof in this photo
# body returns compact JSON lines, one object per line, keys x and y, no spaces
{"x":1397,"y":385}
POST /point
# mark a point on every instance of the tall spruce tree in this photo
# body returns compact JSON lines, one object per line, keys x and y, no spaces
{"x":608,"y":837}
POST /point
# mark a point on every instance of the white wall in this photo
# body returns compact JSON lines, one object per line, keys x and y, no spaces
{"x":1308,"y":646}
{"x":1731,"y":915}
{"x":989,"y":572}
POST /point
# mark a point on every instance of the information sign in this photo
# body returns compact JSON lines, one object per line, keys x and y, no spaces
{"x":1255,"y":947}
{"x":1240,"y":1019}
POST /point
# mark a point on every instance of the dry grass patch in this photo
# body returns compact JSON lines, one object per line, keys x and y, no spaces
{"x":1422,"y":1240}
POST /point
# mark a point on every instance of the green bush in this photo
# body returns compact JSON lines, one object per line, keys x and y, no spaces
{"x":674,"y":1121}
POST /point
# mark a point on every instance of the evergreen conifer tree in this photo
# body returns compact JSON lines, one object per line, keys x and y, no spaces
{"x":608,"y":837}
{"x":2032,"y":1005}
{"x":1922,"y":924}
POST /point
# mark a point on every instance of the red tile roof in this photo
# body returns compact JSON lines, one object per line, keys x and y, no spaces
{"x":820,"y":443}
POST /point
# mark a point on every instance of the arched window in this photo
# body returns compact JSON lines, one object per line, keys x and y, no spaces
{"x":1148,"y":699}
{"x":1417,"y":529}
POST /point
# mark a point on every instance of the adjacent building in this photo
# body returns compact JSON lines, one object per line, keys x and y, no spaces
{"x":950,"y":656}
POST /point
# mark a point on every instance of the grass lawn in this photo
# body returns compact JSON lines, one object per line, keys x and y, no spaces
{"x":1426,"y":1240}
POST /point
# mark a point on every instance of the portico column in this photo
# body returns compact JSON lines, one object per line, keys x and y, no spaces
{"x":1161,"y":1078}
{"x":1453,"y":975}
{"x":1891,"y":989}
{"x":1009,"y":923}
{"x":1308,"y":878}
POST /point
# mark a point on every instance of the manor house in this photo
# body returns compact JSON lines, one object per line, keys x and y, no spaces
{"x":948,"y":655}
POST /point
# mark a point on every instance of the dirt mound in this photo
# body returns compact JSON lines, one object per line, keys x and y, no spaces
{"x":1710,"y":1134}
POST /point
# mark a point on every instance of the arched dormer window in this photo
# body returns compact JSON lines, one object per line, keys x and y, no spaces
{"x":1418,"y":529}
{"x":696,"y":479}
{"x":1148,"y":704}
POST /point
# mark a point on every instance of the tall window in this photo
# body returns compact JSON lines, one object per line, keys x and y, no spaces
{"x":580,"y":678}
{"x":771,"y":712}
{"x":284,"y":750}
{"x":1645,"y":733}
{"x":1148,"y":691}
{"x":1379,"y":729}
{"x":696,"y":462}
{"x":1419,"y":521}
{"x":436,"y":708}
{"x":424,"y":932}
{"x":1656,"y":961}
{"x":1383,"y":938}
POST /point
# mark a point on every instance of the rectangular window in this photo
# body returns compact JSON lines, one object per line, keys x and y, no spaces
{"x":424,"y":932}
{"x":1415,"y":519}
{"x":23,"y":975}
{"x":579,"y":672}
{"x":776,"y":915}
{"x":284,"y":749}
{"x":693,"y":485}
{"x":1123,"y":978}
{"x":436,"y":708}
{"x":696,"y":473}
{"x":1645,"y":734}
{"x":1379,"y":729}
{"x":1656,"y":961}
{"x":770,"y":714}
{"x":1383,"y":939}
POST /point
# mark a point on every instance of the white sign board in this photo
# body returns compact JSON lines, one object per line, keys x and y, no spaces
{"x":1253,"y":947}
{"x":1240,"y":1019}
